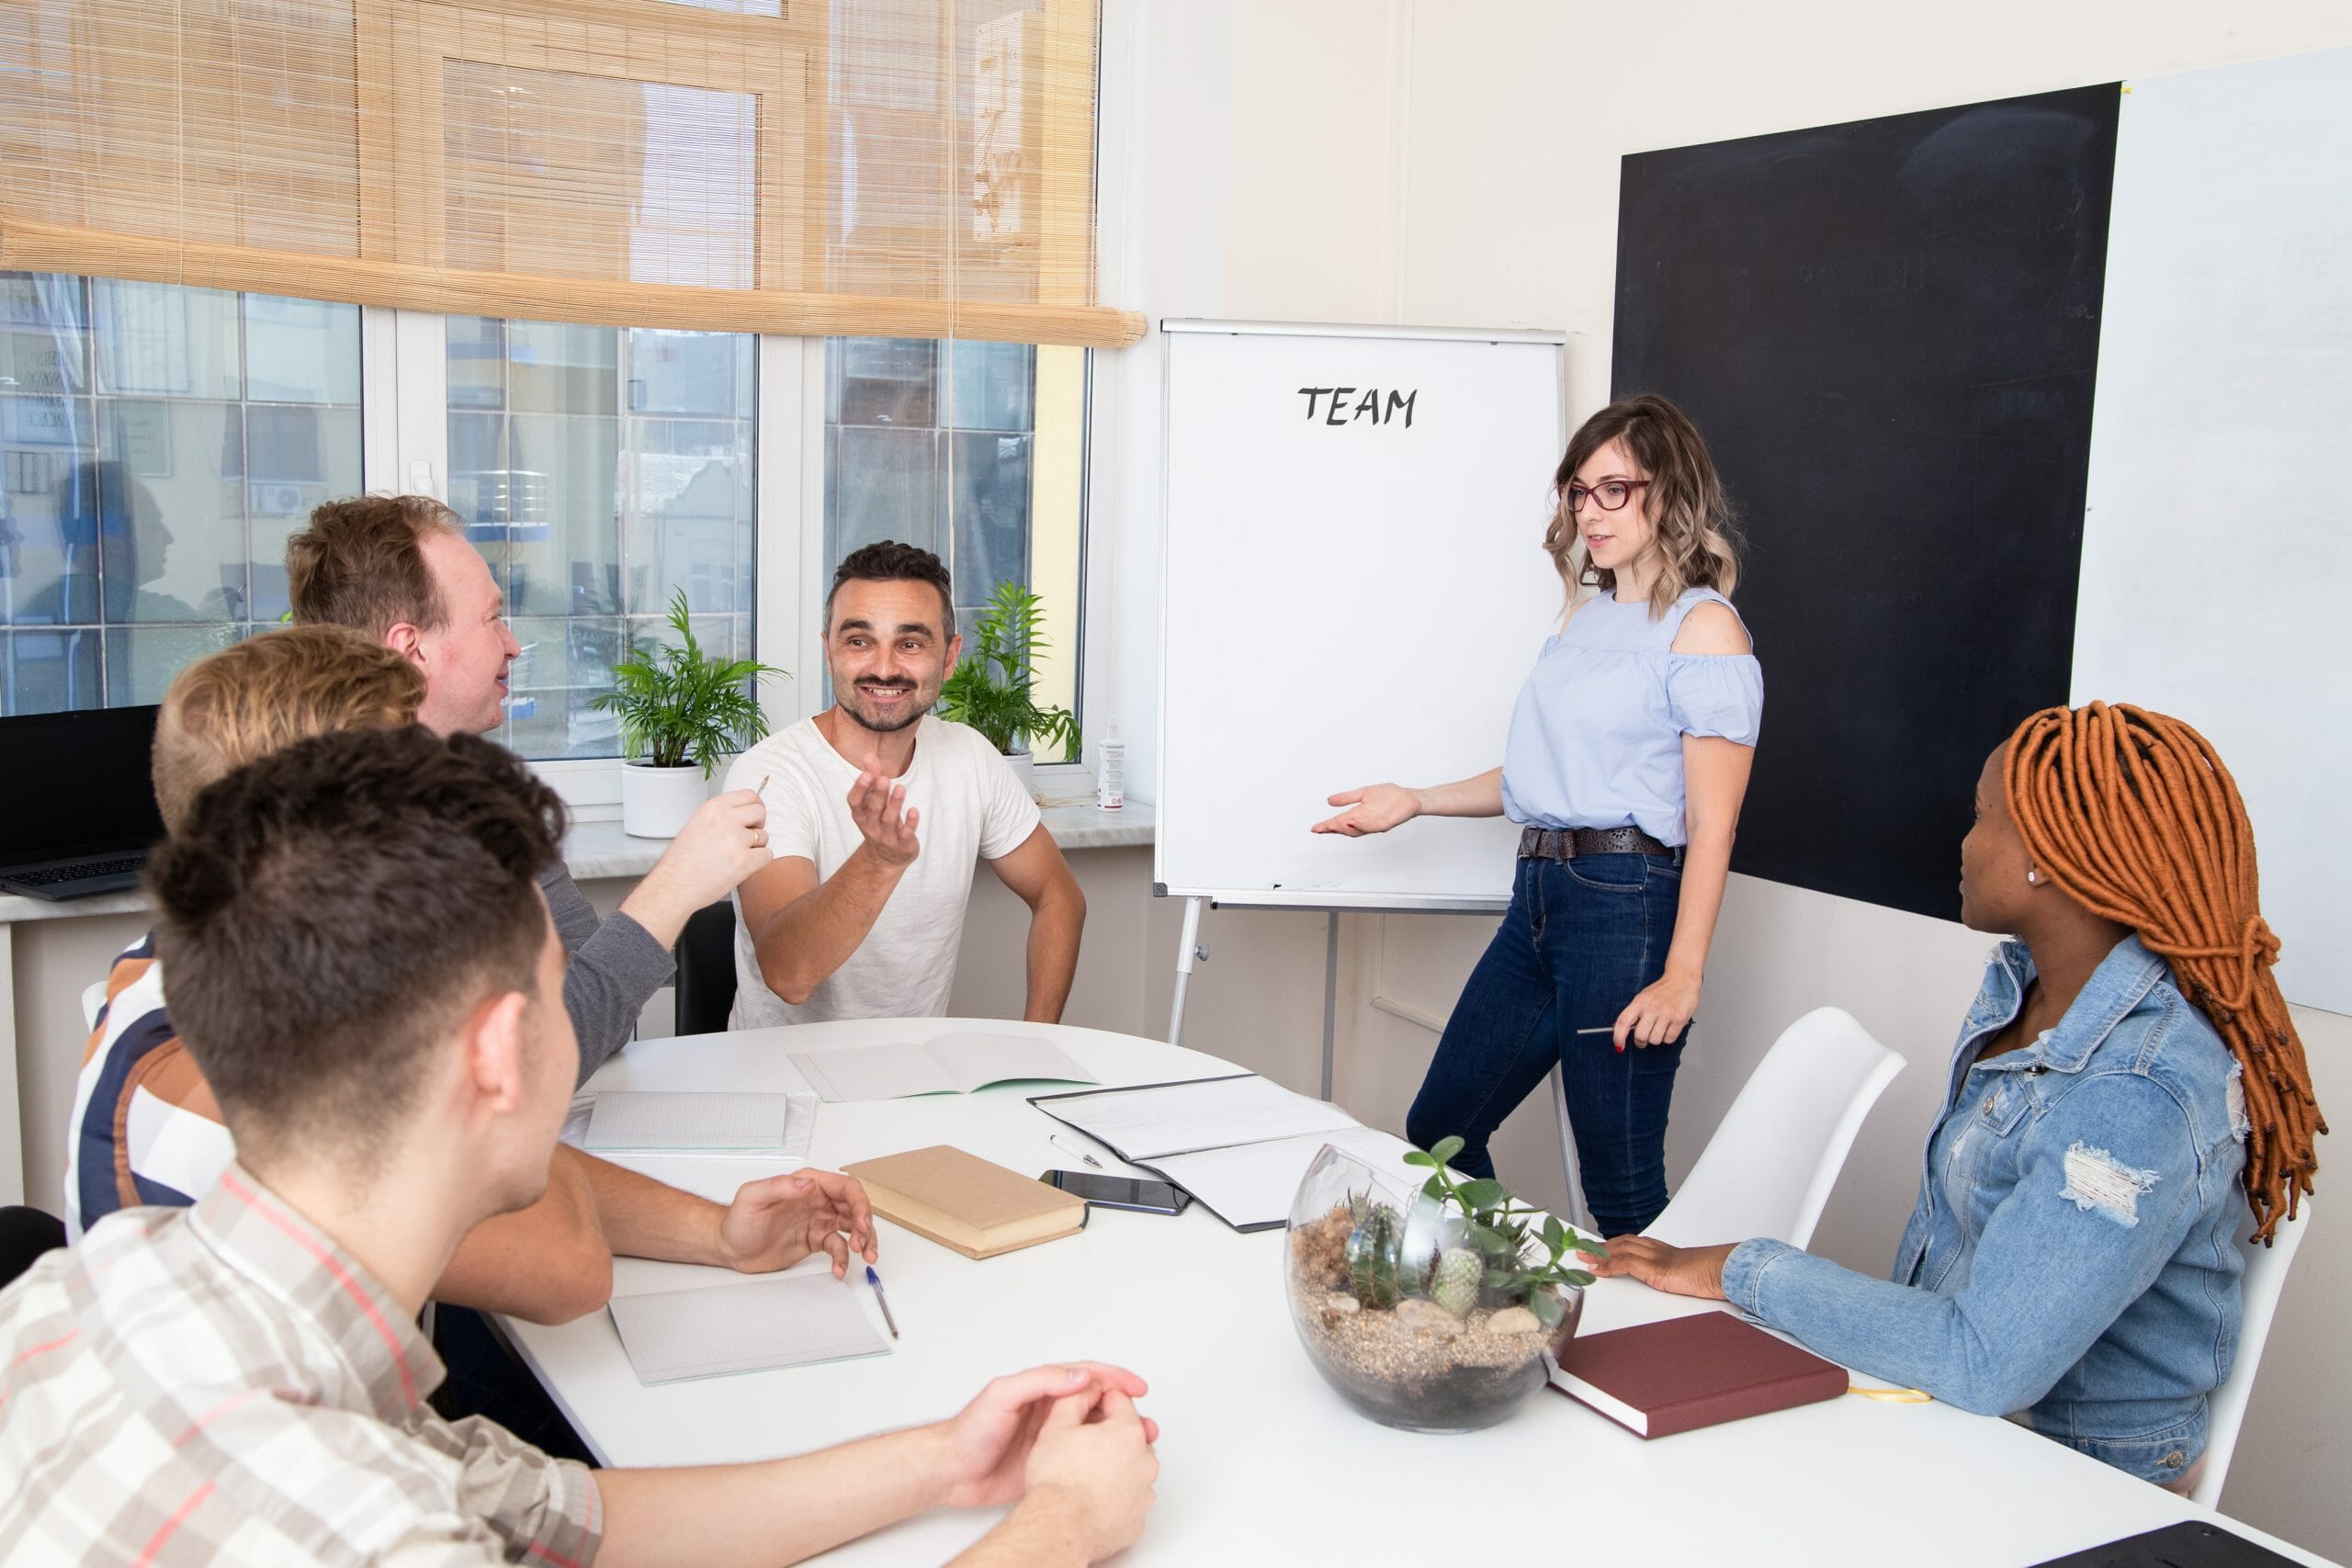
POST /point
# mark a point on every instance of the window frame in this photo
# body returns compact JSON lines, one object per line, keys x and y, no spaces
{"x":404,"y":447}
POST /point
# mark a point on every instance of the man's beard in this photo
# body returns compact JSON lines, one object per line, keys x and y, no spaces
{"x":854,"y":699}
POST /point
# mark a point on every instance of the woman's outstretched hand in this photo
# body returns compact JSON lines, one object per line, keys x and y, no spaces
{"x":1677,"y":1270}
{"x":1375,"y":808}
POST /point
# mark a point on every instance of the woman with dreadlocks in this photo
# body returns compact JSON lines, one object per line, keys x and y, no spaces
{"x":2126,"y":1086}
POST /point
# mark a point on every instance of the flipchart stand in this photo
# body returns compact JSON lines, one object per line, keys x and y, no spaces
{"x":1191,"y":950}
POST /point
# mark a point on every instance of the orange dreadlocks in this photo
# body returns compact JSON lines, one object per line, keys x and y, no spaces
{"x":2135,"y":816}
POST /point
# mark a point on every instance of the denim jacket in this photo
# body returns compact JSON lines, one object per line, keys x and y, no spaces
{"x":2070,"y":1259}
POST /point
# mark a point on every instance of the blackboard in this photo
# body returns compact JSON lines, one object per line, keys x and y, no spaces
{"x":1888,"y":332}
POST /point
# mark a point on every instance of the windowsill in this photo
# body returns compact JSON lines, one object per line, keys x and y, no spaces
{"x":600,"y":851}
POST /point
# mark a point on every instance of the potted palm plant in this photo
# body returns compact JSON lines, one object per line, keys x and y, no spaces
{"x":681,"y":711}
{"x":990,"y":689}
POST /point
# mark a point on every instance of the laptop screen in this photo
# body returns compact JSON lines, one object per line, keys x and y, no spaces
{"x":76,"y":783}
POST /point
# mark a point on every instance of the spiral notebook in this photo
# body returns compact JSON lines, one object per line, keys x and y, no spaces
{"x":791,"y":1320}
{"x":638,"y":1121}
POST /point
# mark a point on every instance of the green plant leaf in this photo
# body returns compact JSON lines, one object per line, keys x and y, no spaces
{"x":989,"y":688}
{"x":1444,"y":1149}
{"x":1485,"y":1192}
{"x":1575,"y":1276}
{"x":680,"y":704}
{"x":1434,"y":1186}
{"x":1414,"y":1156}
{"x":1548,"y":1309}
{"x":1554,"y":1231}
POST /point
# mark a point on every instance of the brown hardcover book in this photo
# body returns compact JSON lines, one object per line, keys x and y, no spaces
{"x":1658,"y":1379}
{"x":963,"y":1201}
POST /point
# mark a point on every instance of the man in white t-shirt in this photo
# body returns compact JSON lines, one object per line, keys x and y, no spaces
{"x":875,"y":812}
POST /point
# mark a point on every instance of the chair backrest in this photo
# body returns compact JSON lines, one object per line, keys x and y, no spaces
{"x":1769,"y":1168}
{"x":2265,"y":1279}
{"x":93,"y":998}
{"x":25,"y":1234}
{"x":706,"y":985}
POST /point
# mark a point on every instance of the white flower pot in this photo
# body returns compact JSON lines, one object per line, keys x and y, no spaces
{"x":1025,"y":769}
{"x":656,"y":802}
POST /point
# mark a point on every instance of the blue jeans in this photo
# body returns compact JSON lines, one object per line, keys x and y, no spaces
{"x":1581,"y":938}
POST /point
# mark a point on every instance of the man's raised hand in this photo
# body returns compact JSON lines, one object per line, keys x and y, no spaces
{"x":887,"y":823}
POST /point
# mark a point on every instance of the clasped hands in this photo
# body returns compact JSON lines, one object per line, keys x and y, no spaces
{"x":1063,"y":1440}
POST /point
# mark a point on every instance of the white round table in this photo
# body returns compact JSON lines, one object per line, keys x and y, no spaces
{"x":1260,"y":1463}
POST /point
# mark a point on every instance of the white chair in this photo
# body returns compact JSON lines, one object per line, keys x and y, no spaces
{"x":1769,"y":1168}
{"x":93,"y":996}
{"x":2266,"y":1277}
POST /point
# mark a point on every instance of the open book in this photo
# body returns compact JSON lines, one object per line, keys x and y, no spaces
{"x":1251,"y":1186}
{"x":948,"y":1063}
{"x":1147,"y":1122}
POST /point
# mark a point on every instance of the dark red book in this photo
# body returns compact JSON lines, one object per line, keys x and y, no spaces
{"x":1658,"y":1379}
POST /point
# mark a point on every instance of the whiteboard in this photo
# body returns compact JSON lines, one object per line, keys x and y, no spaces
{"x":1354,"y":587}
{"x":2218,"y":549}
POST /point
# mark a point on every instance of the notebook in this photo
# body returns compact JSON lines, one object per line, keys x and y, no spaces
{"x":633,"y":1122}
{"x":966,"y":1204}
{"x":791,"y":1320}
{"x":1658,"y":1378}
{"x":1151,"y":1122}
{"x":1251,"y":1185}
{"x":949,"y":1064}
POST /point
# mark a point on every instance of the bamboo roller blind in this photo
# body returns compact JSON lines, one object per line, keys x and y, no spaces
{"x":914,"y":168}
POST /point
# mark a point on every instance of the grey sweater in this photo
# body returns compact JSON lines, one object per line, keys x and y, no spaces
{"x":615,"y":968}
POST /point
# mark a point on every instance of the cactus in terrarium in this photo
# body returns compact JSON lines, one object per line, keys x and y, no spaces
{"x":1371,"y":1253}
{"x":1508,"y":1264}
{"x":1454,"y":1284}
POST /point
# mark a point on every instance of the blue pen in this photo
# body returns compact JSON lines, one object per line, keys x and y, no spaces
{"x":875,"y":1281}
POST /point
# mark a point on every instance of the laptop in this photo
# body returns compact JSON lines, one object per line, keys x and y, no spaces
{"x":77,"y":811}
{"x":2190,"y":1544}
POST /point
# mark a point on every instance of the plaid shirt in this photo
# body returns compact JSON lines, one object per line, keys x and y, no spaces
{"x":224,"y":1384}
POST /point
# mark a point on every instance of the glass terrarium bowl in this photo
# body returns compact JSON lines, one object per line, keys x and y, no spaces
{"x":1392,"y":1316}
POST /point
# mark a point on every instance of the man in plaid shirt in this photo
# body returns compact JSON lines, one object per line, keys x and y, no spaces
{"x":366,"y":972}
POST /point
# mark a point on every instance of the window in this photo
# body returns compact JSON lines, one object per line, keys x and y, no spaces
{"x":600,"y":470}
{"x":159,"y":443}
{"x":974,"y":451}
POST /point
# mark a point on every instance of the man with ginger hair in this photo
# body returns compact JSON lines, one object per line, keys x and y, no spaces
{"x":399,"y":569}
{"x":147,"y":1128}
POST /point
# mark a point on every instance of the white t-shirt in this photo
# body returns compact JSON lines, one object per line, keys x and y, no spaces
{"x":972,"y":808}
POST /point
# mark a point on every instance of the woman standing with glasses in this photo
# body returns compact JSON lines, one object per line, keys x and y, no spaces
{"x":1625,"y":765}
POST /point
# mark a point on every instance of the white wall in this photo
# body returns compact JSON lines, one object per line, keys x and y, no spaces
{"x":1457,"y":164}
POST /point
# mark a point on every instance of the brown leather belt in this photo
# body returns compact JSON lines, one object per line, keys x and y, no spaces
{"x":1568,"y":843}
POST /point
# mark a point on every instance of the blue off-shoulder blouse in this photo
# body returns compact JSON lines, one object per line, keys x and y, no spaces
{"x":1596,"y":739}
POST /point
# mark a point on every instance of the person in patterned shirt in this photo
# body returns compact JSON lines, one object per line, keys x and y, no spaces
{"x":367,"y":976}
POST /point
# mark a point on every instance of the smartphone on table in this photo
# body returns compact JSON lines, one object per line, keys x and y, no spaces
{"x":1105,"y":1192}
